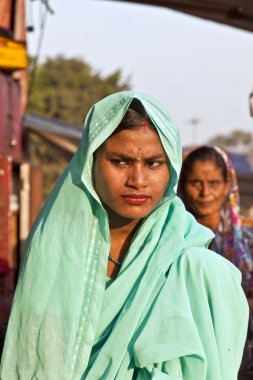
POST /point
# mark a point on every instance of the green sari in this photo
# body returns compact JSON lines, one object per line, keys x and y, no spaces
{"x":175,"y":310}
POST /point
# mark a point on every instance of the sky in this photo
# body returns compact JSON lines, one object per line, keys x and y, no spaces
{"x":201,"y":70}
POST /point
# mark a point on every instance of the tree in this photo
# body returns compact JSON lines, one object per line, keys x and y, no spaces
{"x":238,"y":140}
{"x":64,"y":89}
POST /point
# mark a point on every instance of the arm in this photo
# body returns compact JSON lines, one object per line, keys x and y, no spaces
{"x":198,"y":324}
{"x":216,"y":295}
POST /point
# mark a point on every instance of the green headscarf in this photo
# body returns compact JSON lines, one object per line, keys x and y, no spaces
{"x":162,"y":316}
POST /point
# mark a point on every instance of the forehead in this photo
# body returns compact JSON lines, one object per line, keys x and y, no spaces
{"x":127,"y":140}
{"x":205,"y":168}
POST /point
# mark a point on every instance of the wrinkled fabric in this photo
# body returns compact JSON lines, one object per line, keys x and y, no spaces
{"x":234,"y":237}
{"x":175,"y":310}
{"x":234,"y":240}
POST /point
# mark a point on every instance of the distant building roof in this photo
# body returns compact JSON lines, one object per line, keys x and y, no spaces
{"x":242,"y":162}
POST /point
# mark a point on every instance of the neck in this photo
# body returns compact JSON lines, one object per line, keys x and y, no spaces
{"x":121,"y":232}
{"x":119,"y":225}
{"x":121,"y":240}
{"x":122,"y":235}
{"x":210,"y":221}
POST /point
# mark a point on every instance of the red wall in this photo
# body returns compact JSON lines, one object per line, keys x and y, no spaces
{"x":10,"y":117}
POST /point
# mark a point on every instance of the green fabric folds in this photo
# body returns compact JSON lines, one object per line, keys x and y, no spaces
{"x":175,"y":311}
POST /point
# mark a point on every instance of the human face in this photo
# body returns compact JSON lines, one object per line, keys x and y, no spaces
{"x":205,"y":189}
{"x":131,"y":173}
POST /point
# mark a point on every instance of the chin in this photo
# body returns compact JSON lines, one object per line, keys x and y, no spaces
{"x":133,"y":214}
{"x":204,"y":213}
{"x":200,"y":212}
{"x":129,"y":213}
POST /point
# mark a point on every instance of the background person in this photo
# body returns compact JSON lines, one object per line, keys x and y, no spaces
{"x":209,"y":188}
{"x":116,"y":282}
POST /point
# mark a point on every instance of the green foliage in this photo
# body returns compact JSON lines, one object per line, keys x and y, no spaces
{"x":50,"y":158}
{"x":237,"y":139}
{"x":65,"y":89}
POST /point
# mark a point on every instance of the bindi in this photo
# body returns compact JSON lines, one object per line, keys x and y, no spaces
{"x":139,"y":157}
{"x":145,"y":126}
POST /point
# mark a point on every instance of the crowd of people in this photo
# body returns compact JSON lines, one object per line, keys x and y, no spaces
{"x":133,"y":270}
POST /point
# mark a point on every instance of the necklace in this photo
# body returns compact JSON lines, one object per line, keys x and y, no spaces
{"x":117,"y":262}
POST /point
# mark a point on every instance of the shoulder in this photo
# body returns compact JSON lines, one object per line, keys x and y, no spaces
{"x":247,"y":222}
{"x":197,"y":261}
{"x":246,"y":235}
{"x":208,"y":278}
{"x":247,"y":227}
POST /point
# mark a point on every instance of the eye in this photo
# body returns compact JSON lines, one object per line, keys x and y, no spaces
{"x":154,"y":164}
{"x":195,"y":183}
{"x":214,"y":183}
{"x":119,"y":162}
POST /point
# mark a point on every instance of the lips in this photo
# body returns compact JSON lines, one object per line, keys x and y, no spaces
{"x":135,"y":199}
{"x":205,"y":204}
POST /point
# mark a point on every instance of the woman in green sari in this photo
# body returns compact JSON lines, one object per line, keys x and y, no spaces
{"x":116,"y":281}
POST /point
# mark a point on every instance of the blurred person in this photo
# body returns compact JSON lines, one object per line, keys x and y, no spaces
{"x":208,"y":186}
{"x":116,"y":281}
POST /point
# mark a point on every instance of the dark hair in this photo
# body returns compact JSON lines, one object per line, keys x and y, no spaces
{"x":204,"y":153}
{"x":134,"y":118}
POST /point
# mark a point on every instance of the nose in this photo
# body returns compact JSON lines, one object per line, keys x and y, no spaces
{"x":205,"y":190}
{"x":137,"y":177}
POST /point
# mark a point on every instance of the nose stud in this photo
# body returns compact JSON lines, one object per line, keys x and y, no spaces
{"x":145,"y":182}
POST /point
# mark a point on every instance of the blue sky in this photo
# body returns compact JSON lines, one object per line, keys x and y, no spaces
{"x":202,"y":71}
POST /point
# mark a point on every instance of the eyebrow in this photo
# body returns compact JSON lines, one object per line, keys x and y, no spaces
{"x":129,"y":157}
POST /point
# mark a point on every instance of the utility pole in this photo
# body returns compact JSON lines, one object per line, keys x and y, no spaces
{"x":251,"y":103}
{"x":194,"y":122}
